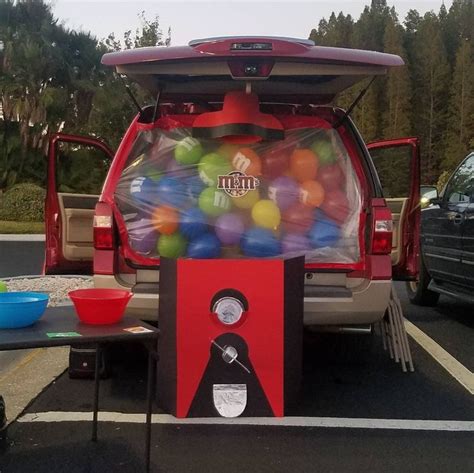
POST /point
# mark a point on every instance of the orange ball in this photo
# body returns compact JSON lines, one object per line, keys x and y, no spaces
{"x":311,"y":193}
{"x":303,"y":165}
{"x":246,"y":160}
{"x":165,"y":220}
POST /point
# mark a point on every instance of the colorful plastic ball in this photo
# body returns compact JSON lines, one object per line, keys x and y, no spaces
{"x":297,"y":219}
{"x":165,"y":220}
{"x":246,"y":160}
{"x":153,"y":174}
{"x":188,"y":151}
{"x":324,"y":233}
{"x":144,"y":190}
{"x":303,"y":165}
{"x":214,"y":202}
{"x":331,"y":177}
{"x":193,"y":223}
{"x":336,"y":206}
{"x":229,"y":228}
{"x":324,"y":150}
{"x":248,"y":200}
{"x":172,"y":246}
{"x":142,"y":236}
{"x":311,"y":193}
{"x":194,"y":187}
{"x":260,"y":242}
{"x":293,"y":242}
{"x":276,"y":161}
{"x":211,"y":166}
{"x":284,"y":191}
{"x":171,"y":191}
{"x":266,"y":214}
{"x":204,"y":246}
{"x":228,"y":150}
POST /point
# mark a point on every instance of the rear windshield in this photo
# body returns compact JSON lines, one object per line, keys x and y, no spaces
{"x":183,"y":197}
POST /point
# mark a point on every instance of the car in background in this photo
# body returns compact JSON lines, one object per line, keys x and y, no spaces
{"x":447,"y":240}
{"x":85,"y":231}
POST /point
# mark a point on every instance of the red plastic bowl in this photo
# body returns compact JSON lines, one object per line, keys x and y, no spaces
{"x":100,"y":306}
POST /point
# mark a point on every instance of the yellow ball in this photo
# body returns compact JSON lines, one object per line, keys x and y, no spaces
{"x":266,"y":214}
{"x":247,"y":201}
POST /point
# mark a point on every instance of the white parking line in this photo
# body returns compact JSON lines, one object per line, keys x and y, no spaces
{"x":324,"y":422}
{"x":458,"y":371}
{"x":21,"y":237}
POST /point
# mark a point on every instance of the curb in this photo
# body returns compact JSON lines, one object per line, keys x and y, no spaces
{"x":21,"y":237}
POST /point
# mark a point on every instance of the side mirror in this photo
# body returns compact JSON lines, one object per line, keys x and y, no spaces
{"x":429,"y":195}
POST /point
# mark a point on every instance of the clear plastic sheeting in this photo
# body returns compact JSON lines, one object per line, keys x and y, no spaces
{"x":183,"y":197}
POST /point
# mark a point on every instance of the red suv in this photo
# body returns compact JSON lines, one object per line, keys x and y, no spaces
{"x":290,"y":84}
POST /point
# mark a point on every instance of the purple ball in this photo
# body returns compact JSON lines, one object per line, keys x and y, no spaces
{"x":229,"y":228}
{"x":294,"y":242}
{"x":142,"y":236}
{"x":284,"y":191}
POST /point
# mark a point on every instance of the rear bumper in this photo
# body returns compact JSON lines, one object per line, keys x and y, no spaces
{"x":365,"y":304}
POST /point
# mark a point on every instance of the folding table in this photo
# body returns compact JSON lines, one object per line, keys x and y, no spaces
{"x":60,"y":326}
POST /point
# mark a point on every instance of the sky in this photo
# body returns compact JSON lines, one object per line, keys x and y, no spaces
{"x":197,"y":19}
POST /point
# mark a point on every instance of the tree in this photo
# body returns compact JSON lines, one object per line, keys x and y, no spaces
{"x":460,"y":122}
{"x":431,"y":78}
{"x":396,"y":114}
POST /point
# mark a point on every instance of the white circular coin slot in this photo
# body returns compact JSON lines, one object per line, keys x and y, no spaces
{"x":228,"y":310}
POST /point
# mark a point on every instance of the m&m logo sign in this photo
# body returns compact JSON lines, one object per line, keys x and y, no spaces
{"x":237,"y":183}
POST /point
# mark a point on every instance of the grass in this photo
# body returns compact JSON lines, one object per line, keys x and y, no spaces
{"x":21,"y":227}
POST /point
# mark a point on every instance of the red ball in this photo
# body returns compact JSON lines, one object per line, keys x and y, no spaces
{"x":276,"y":161}
{"x":336,"y":206}
{"x":331,"y":177}
{"x":297,"y":219}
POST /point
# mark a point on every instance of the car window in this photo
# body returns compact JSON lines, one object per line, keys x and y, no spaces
{"x":393,"y":166}
{"x":461,"y":186}
{"x":80,"y":169}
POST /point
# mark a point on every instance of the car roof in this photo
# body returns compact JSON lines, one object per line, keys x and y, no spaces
{"x":286,"y":67}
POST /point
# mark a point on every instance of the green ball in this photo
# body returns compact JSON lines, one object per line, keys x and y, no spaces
{"x":153,"y":174}
{"x":3,"y":287}
{"x":324,"y":150}
{"x":211,"y":166}
{"x":172,"y":246}
{"x":214,"y":202}
{"x":188,"y":151}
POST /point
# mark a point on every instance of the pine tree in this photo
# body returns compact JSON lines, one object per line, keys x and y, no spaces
{"x":431,"y":87}
{"x":396,"y":113}
{"x":460,"y":123}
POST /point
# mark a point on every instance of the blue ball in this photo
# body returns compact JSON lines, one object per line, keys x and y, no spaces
{"x":171,"y":191}
{"x":324,"y":232}
{"x":144,"y":190}
{"x":192,"y":223}
{"x":260,"y":243}
{"x":194,"y":187}
{"x":204,"y":246}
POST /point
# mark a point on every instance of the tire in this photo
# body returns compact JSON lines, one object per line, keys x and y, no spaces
{"x":418,"y":291}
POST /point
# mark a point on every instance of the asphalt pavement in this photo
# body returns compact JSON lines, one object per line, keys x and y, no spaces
{"x":348,"y":380}
{"x":19,"y":257}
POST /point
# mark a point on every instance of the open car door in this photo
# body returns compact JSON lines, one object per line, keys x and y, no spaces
{"x":398,"y":167}
{"x":77,"y":167}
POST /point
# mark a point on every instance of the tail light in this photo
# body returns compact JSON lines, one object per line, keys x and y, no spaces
{"x":103,"y":232}
{"x":382,"y":231}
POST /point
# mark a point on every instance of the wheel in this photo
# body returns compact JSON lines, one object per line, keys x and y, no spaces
{"x":418,"y":291}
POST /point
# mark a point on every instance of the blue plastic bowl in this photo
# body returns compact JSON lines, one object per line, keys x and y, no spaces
{"x":20,"y":309}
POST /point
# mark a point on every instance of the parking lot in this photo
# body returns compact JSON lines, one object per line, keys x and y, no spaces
{"x":358,"y":412}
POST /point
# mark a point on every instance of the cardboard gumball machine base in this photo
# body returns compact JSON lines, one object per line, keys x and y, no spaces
{"x":231,"y":336}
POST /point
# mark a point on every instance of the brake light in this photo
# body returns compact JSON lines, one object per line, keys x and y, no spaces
{"x":103,"y":232}
{"x":382,"y":231}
